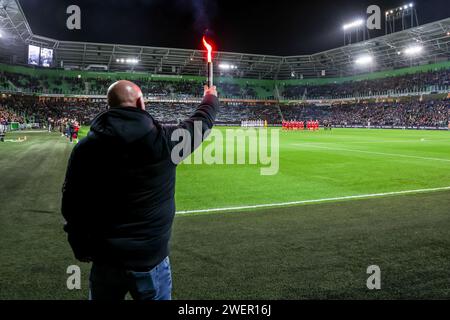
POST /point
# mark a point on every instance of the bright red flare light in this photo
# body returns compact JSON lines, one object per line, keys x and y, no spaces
{"x":208,"y":48}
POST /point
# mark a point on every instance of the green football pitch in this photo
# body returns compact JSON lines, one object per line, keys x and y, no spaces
{"x":340,"y":202}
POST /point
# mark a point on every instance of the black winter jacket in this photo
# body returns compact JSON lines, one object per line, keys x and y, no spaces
{"x":118,"y":195}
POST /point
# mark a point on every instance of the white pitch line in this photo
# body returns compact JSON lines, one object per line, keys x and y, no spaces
{"x":14,"y":141}
{"x":285,"y":204}
{"x":373,"y":152}
{"x":396,"y":141}
{"x":22,"y":132}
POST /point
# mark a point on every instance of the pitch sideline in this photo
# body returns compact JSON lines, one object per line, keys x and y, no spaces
{"x":292,"y":203}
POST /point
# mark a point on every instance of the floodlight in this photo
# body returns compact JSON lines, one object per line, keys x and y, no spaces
{"x":354,"y":24}
{"x":411,"y":5}
{"x":1,"y":34}
{"x":413,"y":50}
{"x":364,"y":60}
{"x":132,"y":61}
{"x":226,"y":66}
{"x":128,"y":60}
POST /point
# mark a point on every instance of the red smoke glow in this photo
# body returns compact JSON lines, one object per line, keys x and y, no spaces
{"x":209,"y":48}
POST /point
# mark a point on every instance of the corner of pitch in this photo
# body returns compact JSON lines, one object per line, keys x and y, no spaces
{"x":259,"y":147}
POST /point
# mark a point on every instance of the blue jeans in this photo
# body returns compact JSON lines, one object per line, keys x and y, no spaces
{"x":112,"y":283}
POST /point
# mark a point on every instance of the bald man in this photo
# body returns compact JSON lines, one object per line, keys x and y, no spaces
{"x":118,"y":195}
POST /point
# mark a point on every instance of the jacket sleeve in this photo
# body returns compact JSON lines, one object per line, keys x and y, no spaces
{"x":76,"y":225}
{"x":191,"y":132}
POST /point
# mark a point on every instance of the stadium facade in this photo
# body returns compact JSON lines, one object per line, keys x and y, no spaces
{"x":70,"y":79}
{"x":340,"y":62}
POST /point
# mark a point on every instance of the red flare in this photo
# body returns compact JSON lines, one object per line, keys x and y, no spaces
{"x":209,"y":48}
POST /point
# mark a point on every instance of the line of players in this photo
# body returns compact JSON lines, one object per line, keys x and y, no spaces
{"x":301,"y":125}
{"x":254,"y":124}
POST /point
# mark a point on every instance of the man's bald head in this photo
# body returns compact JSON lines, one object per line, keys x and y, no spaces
{"x":125,"y":94}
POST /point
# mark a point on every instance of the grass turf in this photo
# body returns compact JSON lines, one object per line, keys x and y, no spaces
{"x":323,"y":165}
{"x":313,"y":251}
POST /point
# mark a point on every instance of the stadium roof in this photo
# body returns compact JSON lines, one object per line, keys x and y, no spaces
{"x":14,"y":28}
{"x":387,"y":53}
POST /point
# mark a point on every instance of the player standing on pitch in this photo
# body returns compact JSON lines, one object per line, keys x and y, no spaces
{"x":122,"y":221}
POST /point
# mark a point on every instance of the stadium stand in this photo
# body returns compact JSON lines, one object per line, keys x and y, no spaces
{"x":413,"y":113}
{"x":229,"y":114}
{"x":27,"y":109}
{"x":433,"y":113}
{"x":412,"y":81}
{"x":408,"y":83}
{"x":20,"y":79}
{"x":393,"y":99}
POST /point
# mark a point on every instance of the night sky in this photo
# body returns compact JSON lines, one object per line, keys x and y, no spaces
{"x":260,"y":27}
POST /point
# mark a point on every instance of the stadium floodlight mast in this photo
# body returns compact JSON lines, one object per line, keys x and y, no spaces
{"x":401,"y":8}
{"x":401,"y":14}
{"x":353,"y":27}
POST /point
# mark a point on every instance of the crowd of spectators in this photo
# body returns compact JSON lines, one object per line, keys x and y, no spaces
{"x":29,"y":109}
{"x":416,"y":82}
{"x":433,"y":113}
{"x":65,"y":84}
{"x":10,"y":80}
{"x":98,"y":86}
{"x":173,"y":113}
{"x":7,"y":116}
